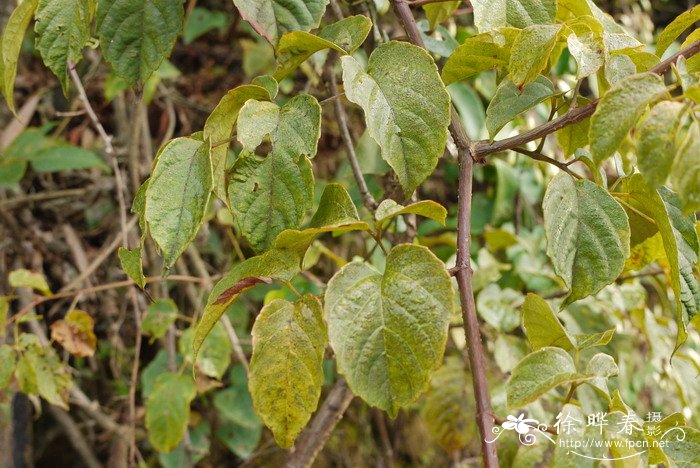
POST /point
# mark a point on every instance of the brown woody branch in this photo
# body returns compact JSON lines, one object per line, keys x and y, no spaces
{"x":464,"y":272}
{"x":484,"y":148}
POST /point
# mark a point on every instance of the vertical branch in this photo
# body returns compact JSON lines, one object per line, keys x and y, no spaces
{"x":464,"y":273}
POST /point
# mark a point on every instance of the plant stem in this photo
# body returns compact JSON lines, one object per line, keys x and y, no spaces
{"x":477,"y":359}
{"x":483,"y":148}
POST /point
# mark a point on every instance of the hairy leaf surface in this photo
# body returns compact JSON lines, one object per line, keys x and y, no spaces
{"x":588,"y":235}
{"x":509,"y":102}
{"x":656,"y":142}
{"x":389,"y":330}
{"x":272,"y":18}
{"x":286,"y":370}
{"x":531,"y":51}
{"x":177,"y":195}
{"x":685,"y":173}
{"x":407,"y":108}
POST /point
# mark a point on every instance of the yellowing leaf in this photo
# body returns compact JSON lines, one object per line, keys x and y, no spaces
{"x":75,"y":333}
{"x":676,"y":28}
{"x":439,"y":12}
{"x":542,"y":327}
{"x":476,"y":54}
{"x":272,"y":18}
{"x":28,"y":279}
{"x":531,"y":51}
{"x":177,"y":195}
{"x":62,"y":29}
{"x":389,"y":209}
{"x":286,"y":370}
{"x":618,"y":111}
{"x":275,"y":263}
{"x":344,"y":37}
{"x":588,"y":235}
{"x":168,"y":410}
{"x":407,"y":108}
{"x":11,"y":46}
{"x":538,"y":373}
{"x":389,"y":330}
{"x":137,"y":35}
{"x":40,"y":371}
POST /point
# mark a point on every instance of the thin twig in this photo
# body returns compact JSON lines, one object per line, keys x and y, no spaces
{"x":477,"y":358}
{"x":107,"y":139}
{"x":541,"y":157}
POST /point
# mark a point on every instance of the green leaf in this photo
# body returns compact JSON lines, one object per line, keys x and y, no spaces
{"x":168,"y":410}
{"x":214,"y":355}
{"x":389,"y":330}
{"x":509,"y":102}
{"x":685,"y":173}
{"x":448,"y":404}
{"x":439,"y":12}
{"x":618,"y":111}
{"x":177,"y":195}
{"x":407,"y":108}
{"x":130,"y":260}
{"x":63,"y":29}
{"x":676,"y":28}
{"x":40,"y":371}
{"x":241,"y":428}
{"x":656,"y":141}
{"x":269,"y":195}
{"x":137,"y":35}
{"x":588,"y":235}
{"x":219,"y":128}
{"x":202,"y":20}
{"x":344,"y":37}
{"x":62,"y":157}
{"x":539,"y":372}
{"x":273,"y":18}
{"x":542,"y":327}
{"x":269,"y":83}
{"x":256,"y":120}
{"x":389,"y":209}
{"x":275,"y":263}
{"x":602,"y":367}
{"x":531,"y":51}
{"x":477,"y":54}
{"x":680,"y":242}
{"x":524,"y":13}
{"x":28,"y":279}
{"x":159,"y":316}
{"x":585,"y":341}
{"x":191,"y":453}
{"x":286,"y":370}
{"x":498,"y":307}
{"x":11,"y":46}
{"x":683,"y":450}
{"x":489,"y":14}
{"x":7,"y":364}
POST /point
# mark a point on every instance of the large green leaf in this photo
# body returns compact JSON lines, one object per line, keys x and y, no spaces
{"x":477,"y":54}
{"x":510,"y":101}
{"x":137,"y":35}
{"x":63,"y":29}
{"x":276,"y":263}
{"x":344,"y":37}
{"x":685,"y":173}
{"x":168,"y":410}
{"x":531,"y":51}
{"x":491,"y":14}
{"x":449,"y":405}
{"x":656,"y":141}
{"x":407,"y":108}
{"x":11,"y":46}
{"x":538,"y":373}
{"x":272,"y":18}
{"x":286,"y":370}
{"x":683,"y":447}
{"x":676,"y":28}
{"x":389,"y":330}
{"x":680,"y":242}
{"x":619,"y":109}
{"x":177,"y":195}
{"x":588,"y":235}
{"x":542,"y":327}
{"x":219,"y":128}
